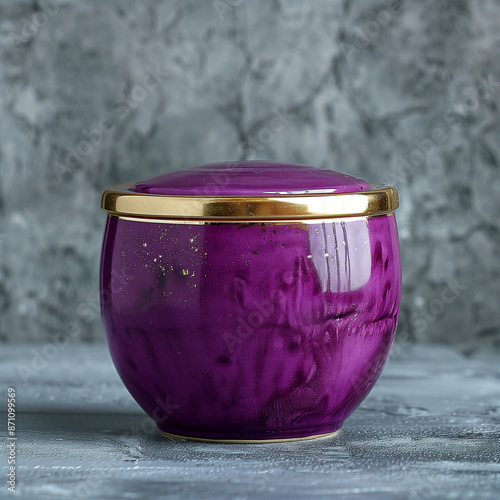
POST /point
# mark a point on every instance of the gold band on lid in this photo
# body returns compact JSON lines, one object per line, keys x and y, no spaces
{"x":121,"y":200}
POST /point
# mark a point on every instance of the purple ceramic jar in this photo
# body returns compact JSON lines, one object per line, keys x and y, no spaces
{"x":250,"y":301}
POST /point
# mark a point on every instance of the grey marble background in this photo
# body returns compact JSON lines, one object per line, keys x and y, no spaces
{"x":405,"y":92}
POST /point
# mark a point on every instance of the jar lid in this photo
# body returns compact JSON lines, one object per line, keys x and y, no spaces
{"x":256,"y":191}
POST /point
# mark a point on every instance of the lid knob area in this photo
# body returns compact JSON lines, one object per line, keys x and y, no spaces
{"x":255,"y":191}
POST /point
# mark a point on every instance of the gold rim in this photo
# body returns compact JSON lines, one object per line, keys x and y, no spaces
{"x":248,"y":441}
{"x":122,"y":201}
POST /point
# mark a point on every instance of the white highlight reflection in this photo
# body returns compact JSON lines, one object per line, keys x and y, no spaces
{"x":341,"y":254}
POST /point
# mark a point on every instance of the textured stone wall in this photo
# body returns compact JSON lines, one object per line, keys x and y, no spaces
{"x":406,"y":92}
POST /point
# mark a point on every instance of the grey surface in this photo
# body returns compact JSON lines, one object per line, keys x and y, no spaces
{"x":366,"y":89}
{"x":430,"y":429}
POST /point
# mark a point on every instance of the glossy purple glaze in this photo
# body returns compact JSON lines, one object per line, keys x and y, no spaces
{"x":241,"y":331}
{"x":251,"y":178}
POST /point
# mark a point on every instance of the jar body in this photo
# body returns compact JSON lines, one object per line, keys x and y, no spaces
{"x":250,"y":331}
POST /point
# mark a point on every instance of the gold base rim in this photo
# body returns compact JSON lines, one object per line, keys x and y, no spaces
{"x":249,"y":441}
